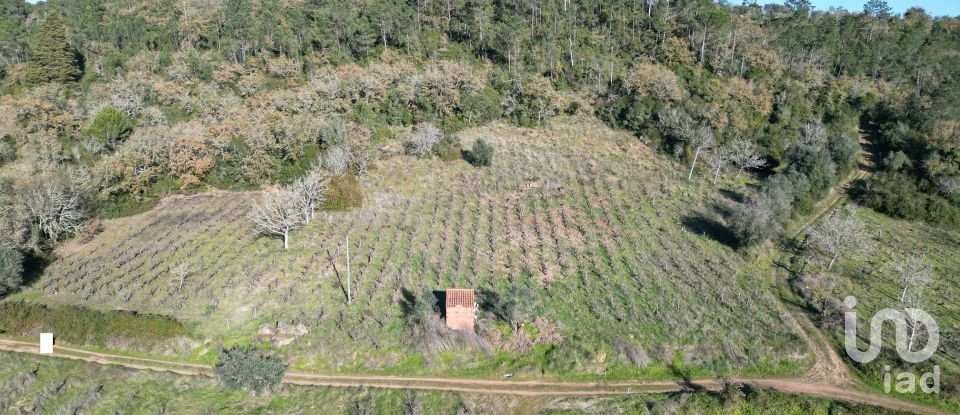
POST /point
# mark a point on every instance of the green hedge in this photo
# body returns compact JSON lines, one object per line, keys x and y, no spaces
{"x":83,"y":326}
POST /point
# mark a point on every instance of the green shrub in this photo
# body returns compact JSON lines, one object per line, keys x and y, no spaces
{"x":245,"y":367}
{"x":449,"y":149}
{"x":127,"y":204}
{"x":83,"y":326}
{"x":753,"y":223}
{"x":109,"y":126}
{"x":844,"y":148}
{"x":11,"y":269}
{"x":896,"y":194}
{"x":480,"y":107}
{"x":344,"y":193}
{"x":395,"y":110}
{"x":481,"y":154}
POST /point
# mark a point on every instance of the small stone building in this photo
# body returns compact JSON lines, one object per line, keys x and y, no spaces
{"x":461,"y":308}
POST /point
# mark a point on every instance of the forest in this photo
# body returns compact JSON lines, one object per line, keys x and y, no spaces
{"x":636,"y":189}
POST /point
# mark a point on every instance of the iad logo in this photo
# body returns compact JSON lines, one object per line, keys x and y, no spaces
{"x":906,"y":323}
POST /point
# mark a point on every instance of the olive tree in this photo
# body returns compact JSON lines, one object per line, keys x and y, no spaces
{"x":245,"y":367}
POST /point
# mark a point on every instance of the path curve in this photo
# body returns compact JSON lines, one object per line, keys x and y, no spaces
{"x":828,"y":366}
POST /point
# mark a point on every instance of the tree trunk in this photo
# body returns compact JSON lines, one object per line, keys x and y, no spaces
{"x":349,"y":294}
{"x":694,"y":164}
{"x":913,"y":334}
{"x":832,"y":260}
{"x":703,"y":45}
{"x":286,"y":240}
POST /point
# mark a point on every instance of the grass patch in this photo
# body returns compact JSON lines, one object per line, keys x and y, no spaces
{"x":343,"y":193}
{"x":869,"y":277}
{"x":55,"y":384}
{"x":83,"y":326}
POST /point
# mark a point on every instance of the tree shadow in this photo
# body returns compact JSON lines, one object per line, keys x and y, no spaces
{"x":33,"y":267}
{"x":710,"y":228}
{"x":685,"y":379}
{"x":408,"y":301}
{"x":732,"y":195}
{"x":441,"y":299}
{"x":487,"y":300}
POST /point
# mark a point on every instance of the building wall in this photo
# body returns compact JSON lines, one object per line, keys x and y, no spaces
{"x":460,"y":318}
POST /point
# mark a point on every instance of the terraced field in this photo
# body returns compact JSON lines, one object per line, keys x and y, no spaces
{"x":605,"y":233}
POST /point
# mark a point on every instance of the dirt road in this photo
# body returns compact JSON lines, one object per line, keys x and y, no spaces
{"x":529,"y":388}
{"x":828,"y":366}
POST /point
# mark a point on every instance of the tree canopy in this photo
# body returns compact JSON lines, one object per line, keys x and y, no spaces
{"x":52,"y":58}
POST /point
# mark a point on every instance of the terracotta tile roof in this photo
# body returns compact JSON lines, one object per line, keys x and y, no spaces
{"x":460,"y":297}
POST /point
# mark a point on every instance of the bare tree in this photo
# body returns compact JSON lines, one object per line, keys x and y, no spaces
{"x":676,"y":123}
{"x":813,"y":132}
{"x":424,"y":139}
{"x":916,"y":275}
{"x":914,"y":272}
{"x":361,"y":161}
{"x":949,"y":185}
{"x":180,"y":273}
{"x":717,"y":159}
{"x":702,"y":139}
{"x":745,"y":155}
{"x":278,"y":213}
{"x":336,"y":159}
{"x":841,"y":232}
{"x":51,"y":206}
{"x":311,"y":190}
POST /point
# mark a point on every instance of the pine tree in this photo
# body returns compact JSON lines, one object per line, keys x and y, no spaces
{"x":52,"y":58}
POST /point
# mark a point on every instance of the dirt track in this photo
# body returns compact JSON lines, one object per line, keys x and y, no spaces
{"x":489,"y":386}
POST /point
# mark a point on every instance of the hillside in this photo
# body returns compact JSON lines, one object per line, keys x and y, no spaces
{"x":871,"y":277}
{"x":648,"y":191}
{"x":609,"y":257}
